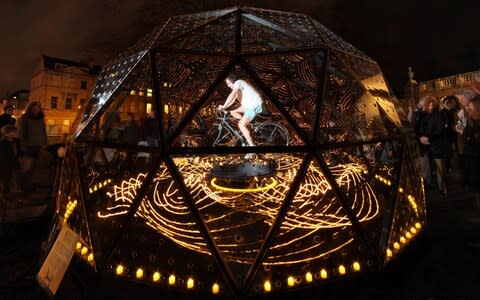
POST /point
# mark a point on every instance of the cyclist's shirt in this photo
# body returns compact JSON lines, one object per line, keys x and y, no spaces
{"x":250,"y":97}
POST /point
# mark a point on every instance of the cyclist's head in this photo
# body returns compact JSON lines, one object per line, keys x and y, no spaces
{"x":232,"y":77}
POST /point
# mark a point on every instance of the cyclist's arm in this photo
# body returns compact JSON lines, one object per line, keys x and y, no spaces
{"x":230,"y":99}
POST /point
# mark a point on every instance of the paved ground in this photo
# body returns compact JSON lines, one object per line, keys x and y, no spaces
{"x":443,"y":263}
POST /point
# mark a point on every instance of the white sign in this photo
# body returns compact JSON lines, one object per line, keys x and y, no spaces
{"x":53,"y":269}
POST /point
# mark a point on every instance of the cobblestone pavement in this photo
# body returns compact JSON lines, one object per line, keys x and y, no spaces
{"x":442,"y":263}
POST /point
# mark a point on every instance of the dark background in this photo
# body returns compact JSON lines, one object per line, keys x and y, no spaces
{"x":437,"y":38}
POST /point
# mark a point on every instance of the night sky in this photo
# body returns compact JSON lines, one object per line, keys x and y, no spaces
{"x":438,"y":38}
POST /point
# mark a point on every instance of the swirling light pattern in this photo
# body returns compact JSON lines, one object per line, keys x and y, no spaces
{"x":230,"y":215}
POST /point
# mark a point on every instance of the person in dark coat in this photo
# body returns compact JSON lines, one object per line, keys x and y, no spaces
{"x":130,"y":130}
{"x":6,"y":118}
{"x":9,"y":158}
{"x":471,"y":134}
{"x":434,"y":135}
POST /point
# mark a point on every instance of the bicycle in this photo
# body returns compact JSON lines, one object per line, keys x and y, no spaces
{"x":267,"y":133}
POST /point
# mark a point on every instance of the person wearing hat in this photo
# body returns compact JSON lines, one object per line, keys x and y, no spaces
{"x":6,"y":118}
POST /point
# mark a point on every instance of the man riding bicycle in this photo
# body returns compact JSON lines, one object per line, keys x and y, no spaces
{"x":250,"y":104}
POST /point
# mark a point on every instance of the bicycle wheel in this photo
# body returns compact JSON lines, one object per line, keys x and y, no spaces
{"x":272,"y":134}
{"x":225,"y":137}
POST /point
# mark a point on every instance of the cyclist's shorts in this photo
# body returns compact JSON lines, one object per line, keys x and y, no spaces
{"x":251,"y":113}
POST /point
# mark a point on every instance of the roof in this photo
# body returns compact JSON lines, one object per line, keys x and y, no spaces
{"x":50,"y":62}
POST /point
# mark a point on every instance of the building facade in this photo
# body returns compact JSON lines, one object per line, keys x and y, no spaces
{"x":62,"y":87}
{"x":439,"y":87}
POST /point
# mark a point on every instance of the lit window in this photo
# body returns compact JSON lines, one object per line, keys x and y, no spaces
{"x":66,"y":122}
{"x":141,"y":93}
{"x":50,"y":122}
{"x":133,"y":92}
{"x":149,"y":108}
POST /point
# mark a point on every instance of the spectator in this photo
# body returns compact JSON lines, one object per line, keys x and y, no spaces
{"x":6,"y":118}
{"x":434,"y":135}
{"x":9,"y":159}
{"x":464,"y":97}
{"x":417,"y":118}
{"x":472,"y":148}
{"x":149,"y":130}
{"x":130,"y":130}
{"x":33,"y":138}
{"x":450,"y":106}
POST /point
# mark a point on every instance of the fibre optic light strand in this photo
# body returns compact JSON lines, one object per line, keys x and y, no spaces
{"x":315,"y":225}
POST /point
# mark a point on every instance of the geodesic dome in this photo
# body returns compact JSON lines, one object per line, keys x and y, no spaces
{"x":161,"y":193}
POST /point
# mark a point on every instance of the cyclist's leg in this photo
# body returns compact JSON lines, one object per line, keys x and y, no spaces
{"x":242,"y":125}
{"x":238,"y":112}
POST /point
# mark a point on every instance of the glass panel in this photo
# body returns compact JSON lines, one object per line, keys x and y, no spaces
{"x":70,"y":205}
{"x":409,"y":212}
{"x":110,"y":179}
{"x":217,"y":36}
{"x":183,"y":81}
{"x":260,"y":35}
{"x":296,"y":23}
{"x":111,"y":77}
{"x":365,"y":174}
{"x":238,"y":200}
{"x":294,"y":80}
{"x":211,"y":127}
{"x":348,"y":112}
{"x":336,"y":41}
{"x":125,"y":119}
{"x":316,"y":237}
{"x":164,"y":238}
{"x":179,"y":25}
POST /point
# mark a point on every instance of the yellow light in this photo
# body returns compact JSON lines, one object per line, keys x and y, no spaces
{"x":100,"y":185}
{"x":78,"y":246}
{"x":389,"y":253}
{"x":190,"y":283}
{"x":400,"y":190}
{"x":90,"y":190}
{"x":356,"y":266}
{"x":132,"y":92}
{"x":259,"y":189}
{"x":165,"y":108}
{"x":139,"y":273}
{"x":290,"y":281}
{"x":402,"y":240}
{"x":119,"y":270}
{"x":79,"y":107}
{"x":84,"y":250}
{"x":215,"y":288}
{"x":156,"y":277}
{"x":308,"y":277}
{"x":149,"y":91}
{"x":171,"y":279}
{"x":323,"y":274}
{"x":396,"y":245}
{"x":267,"y":286}
{"x":418,"y":225}
{"x":413,"y":230}
{"x":408,"y":235}
{"x":90,"y":257}
{"x":109,"y":180}
{"x":342,"y":270}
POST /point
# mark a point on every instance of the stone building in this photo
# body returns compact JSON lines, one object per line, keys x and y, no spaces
{"x":62,"y":87}
{"x":438,"y":87}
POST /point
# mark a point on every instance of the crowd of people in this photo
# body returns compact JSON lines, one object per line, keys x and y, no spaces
{"x":447,"y":131}
{"x":20,"y":145}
